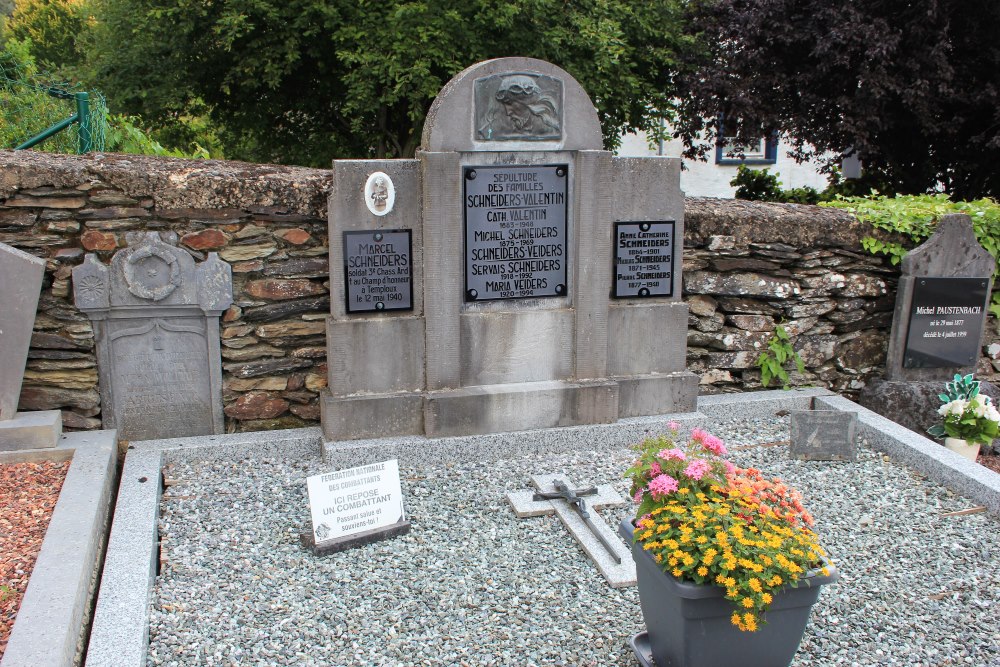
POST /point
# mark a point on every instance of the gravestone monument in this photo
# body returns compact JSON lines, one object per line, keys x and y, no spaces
{"x":20,"y":284}
{"x":518,"y":277}
{"x":823,"y":435}
{"x":937,"y":329}
{"x":156,"y":323}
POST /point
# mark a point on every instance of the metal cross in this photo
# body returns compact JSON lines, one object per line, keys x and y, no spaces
{"x":555,"y":494}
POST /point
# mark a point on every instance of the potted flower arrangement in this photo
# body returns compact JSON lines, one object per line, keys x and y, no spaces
{"x":726,"y":563}
{"x":970,"y":419}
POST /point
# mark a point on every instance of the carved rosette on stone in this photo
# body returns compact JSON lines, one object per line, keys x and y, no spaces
{"x":156,"y":322}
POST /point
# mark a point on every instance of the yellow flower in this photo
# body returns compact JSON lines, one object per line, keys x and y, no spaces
{"x":766,"y":598}
{"x":736,"y":620}
{"x":755,"y":585}
{"x":677,"y":572}
{"x":702,"y":571}
{"x":747,"y":602}
{"x":750,"y":622}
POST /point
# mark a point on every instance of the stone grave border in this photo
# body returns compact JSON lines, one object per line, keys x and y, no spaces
{"x":120,"y":631}
{"x":51,"y":625}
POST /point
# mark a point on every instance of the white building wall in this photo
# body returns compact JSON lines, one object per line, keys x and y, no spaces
{"x":707,"y":179}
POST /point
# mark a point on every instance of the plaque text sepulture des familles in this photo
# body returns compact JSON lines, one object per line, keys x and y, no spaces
{"x":644,"y":259}
{"x":946,"y":318}
{"x":515,"y":231}
{"x":155,"y":317}
{"x":378,"y":270}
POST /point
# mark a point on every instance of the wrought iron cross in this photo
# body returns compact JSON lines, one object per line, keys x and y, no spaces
{"x":555,"y":494}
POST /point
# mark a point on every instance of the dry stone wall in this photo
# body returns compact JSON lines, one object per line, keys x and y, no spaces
{"x":747,"y":267}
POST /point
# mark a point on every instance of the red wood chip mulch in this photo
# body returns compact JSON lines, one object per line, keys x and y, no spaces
{"x":28,"y":494}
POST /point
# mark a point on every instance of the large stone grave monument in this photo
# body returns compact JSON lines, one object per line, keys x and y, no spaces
{"x":937,"y":327}
{"x":156,"y":322}
{"x":21,"y":277}
{"x":515,"y":275}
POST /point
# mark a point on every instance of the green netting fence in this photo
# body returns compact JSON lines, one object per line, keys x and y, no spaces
{"x":35,"y":108}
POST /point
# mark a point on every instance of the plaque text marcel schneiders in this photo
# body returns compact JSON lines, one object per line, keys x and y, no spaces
{"x":644,"y":259}
{"x":378,"y":270}
{"x":515,"y":232}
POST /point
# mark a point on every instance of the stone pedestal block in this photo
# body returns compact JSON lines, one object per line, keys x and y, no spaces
{"x":371,"y":415}
{"x":519,"y":407}
{"x":31,"y":430}
{"x":657,"y":394}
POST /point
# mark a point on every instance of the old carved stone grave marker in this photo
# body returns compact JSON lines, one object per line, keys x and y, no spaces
{"x":823,"y":435}
{"x":21,"y":277}
{"x":537,"y":284}
{"x":156,"y":323}
{"x":557,"y":494}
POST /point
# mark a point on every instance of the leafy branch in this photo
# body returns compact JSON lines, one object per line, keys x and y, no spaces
{"x":772,"y":360}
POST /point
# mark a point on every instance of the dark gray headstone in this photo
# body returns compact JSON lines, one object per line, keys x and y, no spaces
{"x":155,"y":316}
{"x":823,"y":435}
{"x":941,"y":304}
{"x":20,"y":284}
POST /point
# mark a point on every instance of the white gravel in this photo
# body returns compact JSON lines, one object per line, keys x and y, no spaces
{"x":471,"y":584}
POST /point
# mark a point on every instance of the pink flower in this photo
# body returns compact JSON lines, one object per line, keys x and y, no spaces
{"x":638,"y":497}
{"x":697,"y":469}
{"x":654,"y":469}
{"x":709,"y":441}
{"x":662,"y":485}
{"x":668,"y":454}
{"x":730,"y":468}
{"x":673,"y":426}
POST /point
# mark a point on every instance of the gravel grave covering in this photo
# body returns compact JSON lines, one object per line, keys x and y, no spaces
{"x":28,"y":494}
{"x":472,"y":584}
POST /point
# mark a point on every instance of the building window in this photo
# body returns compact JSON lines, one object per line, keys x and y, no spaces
{"x":763,"y":151}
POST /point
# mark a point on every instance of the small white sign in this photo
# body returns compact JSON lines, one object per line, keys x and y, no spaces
{"x":380,"y":193}
{"x":356,"y":500}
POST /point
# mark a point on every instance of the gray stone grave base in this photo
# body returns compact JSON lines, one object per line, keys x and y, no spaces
{"x":119,"y":637}
{"x":912,"y":404}
{"x":52,"y":622}
{"x":31,"y":430}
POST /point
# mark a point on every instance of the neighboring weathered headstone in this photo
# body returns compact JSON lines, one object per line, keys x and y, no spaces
{"x":574,"y":507}
{"x":511,"y":208}
{"x":21,"y":277}
{"x":937,"y":328}
{"x":354,"y":507}
{"x":156,"y":323}
{"x":823,"y":435}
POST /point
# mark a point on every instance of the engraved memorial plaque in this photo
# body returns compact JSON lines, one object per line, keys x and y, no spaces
{"x":823,"y":435}
{"x":644,"y":259}
{"x":378,"y":270}
{"x":946,"y":322}
{"x":518,"y":106}
{"x":161,"y":384}
{"x":515,"y":232}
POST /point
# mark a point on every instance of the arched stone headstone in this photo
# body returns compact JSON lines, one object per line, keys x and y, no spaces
{"x":523,"y":278}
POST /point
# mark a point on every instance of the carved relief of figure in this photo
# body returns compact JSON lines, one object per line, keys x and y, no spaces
{"x":380,"y":194}
{"x":520,"y":108}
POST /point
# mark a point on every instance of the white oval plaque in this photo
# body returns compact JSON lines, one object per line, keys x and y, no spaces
{"x":380,"y":193}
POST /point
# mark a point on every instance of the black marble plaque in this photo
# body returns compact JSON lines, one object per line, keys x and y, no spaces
{"x":946,"y":322}
{"x":515,"y":232}
{"x":378,"y":269}
{"x":644,"y":259}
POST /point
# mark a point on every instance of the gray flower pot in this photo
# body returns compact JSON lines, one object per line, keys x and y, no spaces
{"x":689,"y":626}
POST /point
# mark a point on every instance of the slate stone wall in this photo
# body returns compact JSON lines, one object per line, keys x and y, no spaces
{"x":747,"y":267}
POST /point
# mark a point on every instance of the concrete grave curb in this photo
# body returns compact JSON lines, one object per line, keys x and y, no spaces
{"x":121,"y":622}
{"x":51,"y":624}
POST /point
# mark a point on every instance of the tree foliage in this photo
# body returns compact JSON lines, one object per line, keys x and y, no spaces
{"x":53,"y":27}
{"x":910,"y":85}
{"x":303,"y":81}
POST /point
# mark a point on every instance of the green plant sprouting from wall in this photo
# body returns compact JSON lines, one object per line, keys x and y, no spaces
{"x":778,"y":353}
